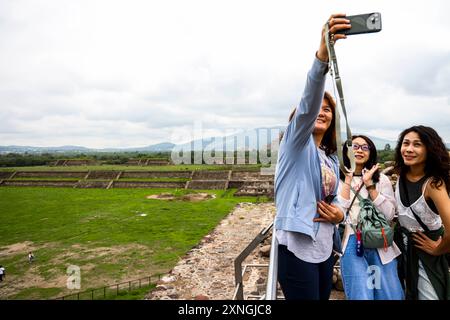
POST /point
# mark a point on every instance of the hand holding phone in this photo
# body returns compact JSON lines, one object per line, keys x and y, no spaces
{"x":363,"y":23}
{"x":329,"y":198}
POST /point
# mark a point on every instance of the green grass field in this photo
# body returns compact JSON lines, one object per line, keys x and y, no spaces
{"x":113,"y":235}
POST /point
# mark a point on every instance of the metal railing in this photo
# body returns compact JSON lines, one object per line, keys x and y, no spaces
{"x":112,"y":290}
{"x":238,"y":271}
{"x":271,"y":287}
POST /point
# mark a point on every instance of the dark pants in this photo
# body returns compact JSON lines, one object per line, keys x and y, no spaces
{"x":302,"y":280}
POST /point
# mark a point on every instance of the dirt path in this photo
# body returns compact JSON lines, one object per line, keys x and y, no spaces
{"x":207,"y":271}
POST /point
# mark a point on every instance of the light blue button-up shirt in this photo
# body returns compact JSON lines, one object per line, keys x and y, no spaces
{"x":298,"y":178}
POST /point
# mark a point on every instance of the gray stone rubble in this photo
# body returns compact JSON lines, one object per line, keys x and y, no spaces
{"x":207,"y":271}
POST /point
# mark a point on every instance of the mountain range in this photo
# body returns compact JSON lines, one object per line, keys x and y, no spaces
{"x":252,"y":139}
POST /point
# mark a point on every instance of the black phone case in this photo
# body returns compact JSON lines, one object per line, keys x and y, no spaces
{"x":363,"y":23}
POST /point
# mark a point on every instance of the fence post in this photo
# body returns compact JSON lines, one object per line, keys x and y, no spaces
{"x":111,"y":287}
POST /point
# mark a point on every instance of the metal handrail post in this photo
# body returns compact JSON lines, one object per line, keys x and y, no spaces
{"x":242,"y":256}
{"x":271,"y":287}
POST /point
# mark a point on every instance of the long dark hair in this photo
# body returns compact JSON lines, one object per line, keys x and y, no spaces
{"x":370,"y":162}
{"x":437,"y":163}
{"x":328,"y":143}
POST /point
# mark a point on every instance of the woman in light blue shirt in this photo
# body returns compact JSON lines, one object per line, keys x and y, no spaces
{"x":306,"y":183}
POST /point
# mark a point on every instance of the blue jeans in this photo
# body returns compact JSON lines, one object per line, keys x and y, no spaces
{"x":301,"y":280}
{"x":366,"y":278}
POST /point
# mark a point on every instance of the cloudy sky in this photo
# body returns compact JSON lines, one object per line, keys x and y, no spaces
{"x":113,"y":73}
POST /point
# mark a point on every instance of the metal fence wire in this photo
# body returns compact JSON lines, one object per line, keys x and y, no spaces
{"x":113,"y":290}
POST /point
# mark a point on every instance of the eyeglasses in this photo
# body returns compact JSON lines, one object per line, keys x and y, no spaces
{"x":364,"y":147}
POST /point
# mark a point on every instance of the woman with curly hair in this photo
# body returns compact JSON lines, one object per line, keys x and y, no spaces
{"x":422,"y":194}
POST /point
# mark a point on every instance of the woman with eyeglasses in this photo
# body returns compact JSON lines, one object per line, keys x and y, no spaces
{"x":423,"y":204}
{"x":367,"y":274}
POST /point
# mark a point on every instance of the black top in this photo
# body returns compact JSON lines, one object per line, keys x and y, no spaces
{"x":415,"y":192}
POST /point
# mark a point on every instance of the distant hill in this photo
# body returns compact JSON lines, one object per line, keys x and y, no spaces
{"x":160,"y":147}
{"x":381,"y":143}
{"x":249,"y":138}
{"x":29,"y":149}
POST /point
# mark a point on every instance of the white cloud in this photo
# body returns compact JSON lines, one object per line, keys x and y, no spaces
{"x":115,"y":73}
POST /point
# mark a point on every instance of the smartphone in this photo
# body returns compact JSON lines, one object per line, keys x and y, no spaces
{"x":363,"y":23}
{"x":329,"y":199}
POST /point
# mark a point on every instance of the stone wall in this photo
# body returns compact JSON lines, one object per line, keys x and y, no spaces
{"x":248,"y":182}
{"x":79,"y":162}
{"x":73,"y":162}
{"x":39,"y":183}
{"x":147,"y":162}
{"x":5,"y":174}
{"x":265,"y":184}
{"x":50,"y":174}
{"x":86,"y":184}
{"x":148,"y":184}
{"x":235,"y":184}
{"x":157,"y":162}
{"x":103,"y":174}
{"x":250,"y":175}
{"x":156,"y":174}
{"x":210,"y":175}
{"x":133,"y":162}
{"x":255,"y":191}
{"x":207,"y":184}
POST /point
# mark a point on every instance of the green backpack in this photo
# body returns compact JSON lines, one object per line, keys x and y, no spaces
{"x":376,"y":231}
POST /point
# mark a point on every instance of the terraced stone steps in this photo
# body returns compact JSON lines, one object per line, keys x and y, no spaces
{"x":39,"y":183}
{"x":248,"y":182}
{"x":148,"y":184}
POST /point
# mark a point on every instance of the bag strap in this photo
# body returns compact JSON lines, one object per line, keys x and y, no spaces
{"x":334,"y":66}
{"x":360,"y":198}
{"x":351,"y":204}
{"x":356,"y":195}
{"x":423,"y":225}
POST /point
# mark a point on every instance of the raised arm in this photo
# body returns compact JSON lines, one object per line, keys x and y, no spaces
{"x":302,"y":124}
{"x":383,"y":197}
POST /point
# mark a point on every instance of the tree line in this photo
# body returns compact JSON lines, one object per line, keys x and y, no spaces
{"x":117,"y":158}
{"x":42,"y":159}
